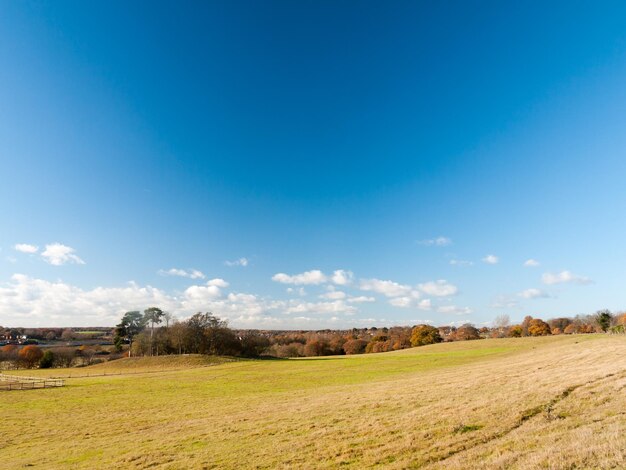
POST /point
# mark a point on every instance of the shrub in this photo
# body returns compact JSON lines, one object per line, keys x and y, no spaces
{"x":603,"y":319}
{"x":46,"y":360}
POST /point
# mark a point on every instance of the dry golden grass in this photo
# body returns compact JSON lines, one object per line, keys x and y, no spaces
{"x":514,"y":403}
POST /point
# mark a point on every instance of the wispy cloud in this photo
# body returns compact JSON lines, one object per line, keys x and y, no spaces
{"x":438,"y":241}
{"x":337,"y":306}
{"x":534,"y":294}
{"x":440,"y":288}
{"x":411,"y":302}
{"x":313,"y":277}
{"x":491,"y":259}
{"x":564,"y":277}
{"x":460,"y":262}
{"x":238,"y":262}
{"x":361,"y":299}
{"x":386,"y":288}
{"x":300,"y":291}
{"x":504,"y":301}
{"x":531,"y":263}
{"x":334,"y":295}
{"x":189,"y":273}
{"x":58,"y":254}
{"x":26,"y":248}
{"x":453,"y":309}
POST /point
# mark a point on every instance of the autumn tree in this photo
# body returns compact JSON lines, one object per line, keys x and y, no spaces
{"x":560,"y":323}
{"x":316,"y":347}
{"x":30,"y":356}
{"x":177,"y":334}
{"x":516,"y":331}
{"x":252,"y":344}
{"x":9,"y":354}
{"x":425,"y":334}
{"x":466,"y":332}
{"x":501,"y":324}
{"x":354,"y":346}
{"x":538,"y":327}
{"x":64,"y":357}
{"x":570,"y":329}
{"x":526,"y":324}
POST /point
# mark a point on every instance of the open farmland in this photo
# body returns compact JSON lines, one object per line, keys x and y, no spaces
{"x":556,"y":402}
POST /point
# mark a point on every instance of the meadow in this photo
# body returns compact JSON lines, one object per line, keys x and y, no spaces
{"x":545,"y":402}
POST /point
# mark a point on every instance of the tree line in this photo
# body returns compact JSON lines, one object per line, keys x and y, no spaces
{"x":155,"y":332}
{"x":202,"y":333}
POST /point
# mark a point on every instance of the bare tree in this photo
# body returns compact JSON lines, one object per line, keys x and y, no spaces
{"x":501,"y":323}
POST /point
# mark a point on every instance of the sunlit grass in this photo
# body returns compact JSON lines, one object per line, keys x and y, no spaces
{"x":429,"y":406}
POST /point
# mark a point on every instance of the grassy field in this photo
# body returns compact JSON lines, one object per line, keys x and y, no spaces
{"x":510,"y":403}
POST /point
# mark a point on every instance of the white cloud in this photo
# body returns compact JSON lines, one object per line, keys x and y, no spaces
{"x":300,"y":291}
{"x":191,"y":273}
{"x":453,"y":309}
{"x":238,"y":262}
{"x":334,"y":295}
{"x":564,"y":277}
{"x":342,"y":277}
{"x":491,"y":259}
{"x":387,"y":288}
{"x":58,"y":254}
{"x":26,"y":248}
{"x":26,"y":301}
{"x":460,"y":262}
{"x":439,"y":241}
{"x":425,"y":304}
{"x":314,"y":277}
{"x":410,"y":302}
{"x":203,"y":293}
{"x":217,"y":282}
{"x":361,"y":299}
{"x":403,"y":302}
{"x":534,"y":294}
{"x":39,"y":302}
{"x":337,"y":306}
{"x":504,"y":301}
{"x":440,"y":288}
{"x":531,"y":263}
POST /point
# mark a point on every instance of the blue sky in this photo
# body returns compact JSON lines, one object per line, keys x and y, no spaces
{"x":311,"y":164}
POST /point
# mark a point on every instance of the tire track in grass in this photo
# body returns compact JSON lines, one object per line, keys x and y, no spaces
{"x":525,"y":416}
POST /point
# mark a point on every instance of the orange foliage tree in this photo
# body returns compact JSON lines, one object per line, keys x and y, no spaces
{"x":538,"y":327}
{"x":425,"y":334}
{"x":569,"y":329}
{"x":354,"y":346}
{"x":30,"y":356}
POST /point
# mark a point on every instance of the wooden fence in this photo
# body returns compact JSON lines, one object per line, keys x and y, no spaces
{"x":18,"y":382}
